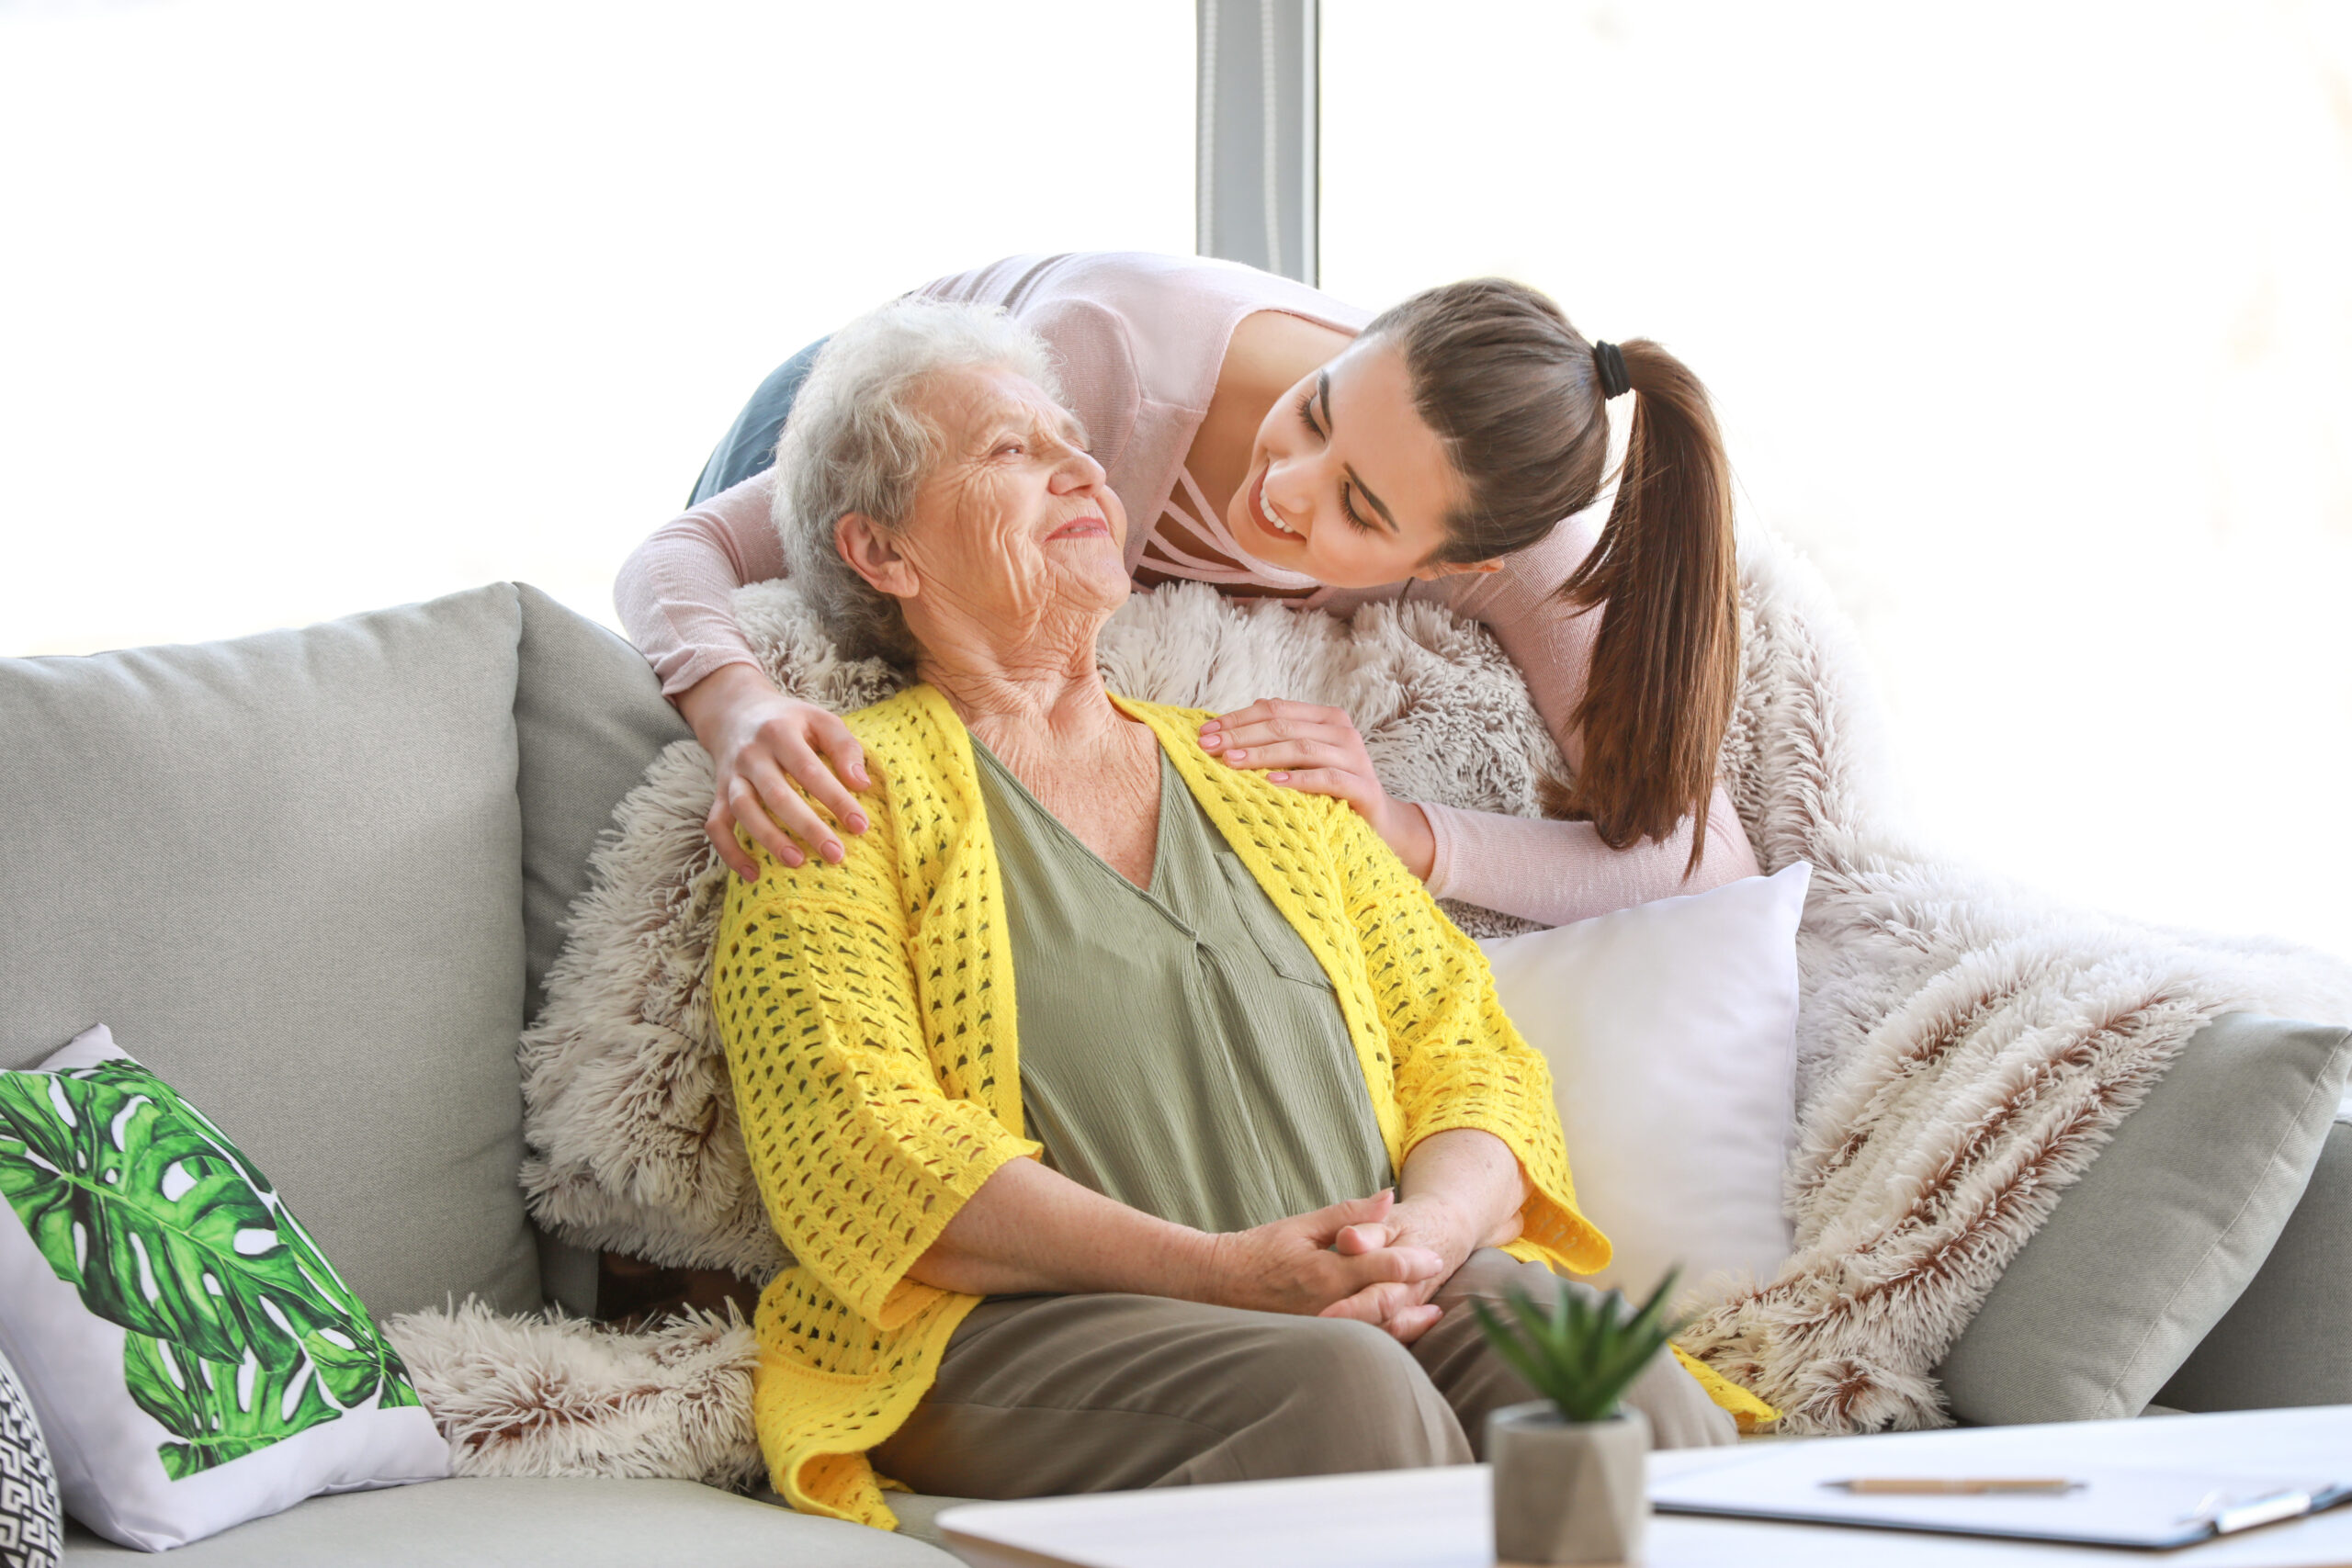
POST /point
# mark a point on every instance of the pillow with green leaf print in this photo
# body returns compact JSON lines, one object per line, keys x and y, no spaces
{"x":195,"y":1359}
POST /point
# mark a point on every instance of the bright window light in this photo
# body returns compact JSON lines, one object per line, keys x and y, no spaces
{"x":2031,"y":324}
{"x":314,"y":307}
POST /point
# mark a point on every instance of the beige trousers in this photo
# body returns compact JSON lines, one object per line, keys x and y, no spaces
{"x":1046,"y":1395}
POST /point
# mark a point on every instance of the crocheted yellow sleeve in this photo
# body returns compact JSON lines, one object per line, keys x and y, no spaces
{"x":1458,"y":1060}
{"x":861,"y":1157}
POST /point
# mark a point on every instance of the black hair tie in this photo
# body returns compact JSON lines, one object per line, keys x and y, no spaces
{"x":1614,"y":382}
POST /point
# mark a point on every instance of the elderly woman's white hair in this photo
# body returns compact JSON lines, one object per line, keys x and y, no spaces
{"x":857,"y":441}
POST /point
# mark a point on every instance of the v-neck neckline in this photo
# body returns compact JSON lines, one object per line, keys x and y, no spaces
{"x":1171,"y":784}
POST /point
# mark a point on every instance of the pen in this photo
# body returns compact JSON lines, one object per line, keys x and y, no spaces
{"x":1948,"y":1486}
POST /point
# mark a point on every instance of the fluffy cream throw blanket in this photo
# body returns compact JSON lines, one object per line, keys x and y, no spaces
{"x":1964,"y":1046}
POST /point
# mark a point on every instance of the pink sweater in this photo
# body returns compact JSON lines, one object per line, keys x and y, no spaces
{"x":1140,"y":340}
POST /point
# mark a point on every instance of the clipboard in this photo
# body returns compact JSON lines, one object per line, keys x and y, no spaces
{"x":2151,"y":1506}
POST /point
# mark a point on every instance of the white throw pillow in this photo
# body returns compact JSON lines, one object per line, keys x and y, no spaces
{"x":1670,"y":1029}
{"x":195,"y":1359}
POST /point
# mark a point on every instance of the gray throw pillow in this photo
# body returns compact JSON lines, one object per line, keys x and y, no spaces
{"x":2144,"y":1254}
{"x":32,"y":1531}
{"x":2287,"y":1340}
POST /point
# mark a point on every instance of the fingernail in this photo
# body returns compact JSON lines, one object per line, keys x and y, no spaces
{"x":1237,"y":756}
{"x":1212,"y":726}
{"x":833,"y":851}
{"x":856,"y":823}
{"x":1212,"y":742}
{"x":1279,"y":778}
{"x":858,"y":773}
{"x":794,"y":858}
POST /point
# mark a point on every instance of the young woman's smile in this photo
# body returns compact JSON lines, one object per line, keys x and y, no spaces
{"x":1265,"y":519}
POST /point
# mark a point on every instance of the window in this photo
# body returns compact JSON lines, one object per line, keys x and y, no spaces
{"x":317,"y":307}
{"x":2032,"y":325}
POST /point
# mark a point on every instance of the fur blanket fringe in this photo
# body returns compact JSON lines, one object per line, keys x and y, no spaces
{"x":559,"y":1395}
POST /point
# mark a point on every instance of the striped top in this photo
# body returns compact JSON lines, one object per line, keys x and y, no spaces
{"x":1193,"y":996}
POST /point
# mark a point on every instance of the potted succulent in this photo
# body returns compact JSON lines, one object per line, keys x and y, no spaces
{"x":1569,"y":1467}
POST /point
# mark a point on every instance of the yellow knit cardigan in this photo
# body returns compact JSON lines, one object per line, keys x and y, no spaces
{"x":868,"y":1014}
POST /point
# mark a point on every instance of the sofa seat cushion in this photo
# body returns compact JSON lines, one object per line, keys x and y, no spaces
{"x":511,"y":1523}
{"x":286,"y":872}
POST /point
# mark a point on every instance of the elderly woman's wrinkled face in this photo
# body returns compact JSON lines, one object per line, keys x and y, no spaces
{"x":1016,"y":527}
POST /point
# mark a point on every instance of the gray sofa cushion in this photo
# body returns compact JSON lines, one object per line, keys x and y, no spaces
{"x":2285,"y":1342}
{"x":286,"y":871}
{"x":2143,"y":1255}
{"x":509,"y":1523}
{"x":589,"y":716}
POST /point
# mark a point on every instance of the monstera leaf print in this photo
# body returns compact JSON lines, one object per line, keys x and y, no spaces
{"x":218,"y":1412}
{"x":240,"y":1332}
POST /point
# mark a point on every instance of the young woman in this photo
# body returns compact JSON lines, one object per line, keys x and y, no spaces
{"x":1272,"y":441}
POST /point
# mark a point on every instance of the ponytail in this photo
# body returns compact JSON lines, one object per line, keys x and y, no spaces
{"x":1665,"y":664}
{"x":1514,"y":390}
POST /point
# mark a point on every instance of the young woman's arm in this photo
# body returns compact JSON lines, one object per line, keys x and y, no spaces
{"x":1549,"y":871}
{"x":1538,"y":869}
{"x":1558,"y":872}
{"x":675,"y":594}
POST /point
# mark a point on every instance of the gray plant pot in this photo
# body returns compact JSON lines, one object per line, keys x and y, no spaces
{"x":1568,"y":1494}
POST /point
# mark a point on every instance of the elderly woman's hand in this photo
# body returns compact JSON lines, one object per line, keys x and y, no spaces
{"x":1429,"y":1223}
{"x":1317,"y":750}
{"x":762,"y":744}
{"x":1464,"y":1191}
{"x":1289,"y":1265}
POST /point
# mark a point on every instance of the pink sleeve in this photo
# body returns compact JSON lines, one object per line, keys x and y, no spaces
{"x":1553,"y":873}
{"x":676,"y":590}
{"x":1542,"y":870}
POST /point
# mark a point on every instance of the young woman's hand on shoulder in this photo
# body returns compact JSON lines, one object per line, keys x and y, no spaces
{"x":1304,"y":747}
{"x":763,"y":744}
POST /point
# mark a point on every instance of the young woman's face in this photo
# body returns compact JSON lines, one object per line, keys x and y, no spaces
{"x":1347,"y":483}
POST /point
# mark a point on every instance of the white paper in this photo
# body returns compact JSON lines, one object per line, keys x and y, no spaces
{"x":2150,"y":1483}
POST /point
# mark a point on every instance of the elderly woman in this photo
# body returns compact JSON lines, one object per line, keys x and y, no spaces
{"x":1132,"y":1120}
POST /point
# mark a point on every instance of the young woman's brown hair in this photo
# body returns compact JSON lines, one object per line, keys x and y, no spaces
{"x":1516,"y":393}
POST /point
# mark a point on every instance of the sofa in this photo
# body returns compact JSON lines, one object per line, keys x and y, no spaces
{"x":316,"y":879}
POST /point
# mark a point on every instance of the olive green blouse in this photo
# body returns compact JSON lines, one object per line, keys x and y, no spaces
{"x":1180,"y":1050}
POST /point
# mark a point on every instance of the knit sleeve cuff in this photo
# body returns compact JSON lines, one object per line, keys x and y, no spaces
{"x":892,"y":1297}
{"x":1551,"y":1219}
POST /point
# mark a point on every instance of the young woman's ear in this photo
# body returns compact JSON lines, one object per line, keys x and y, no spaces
{"x":872,"y":553}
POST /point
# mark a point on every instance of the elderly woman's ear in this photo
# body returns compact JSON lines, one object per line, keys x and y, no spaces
{"x":871,"y":551}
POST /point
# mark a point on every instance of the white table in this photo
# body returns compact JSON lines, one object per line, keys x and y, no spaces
{"x":1440,"y":1518}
